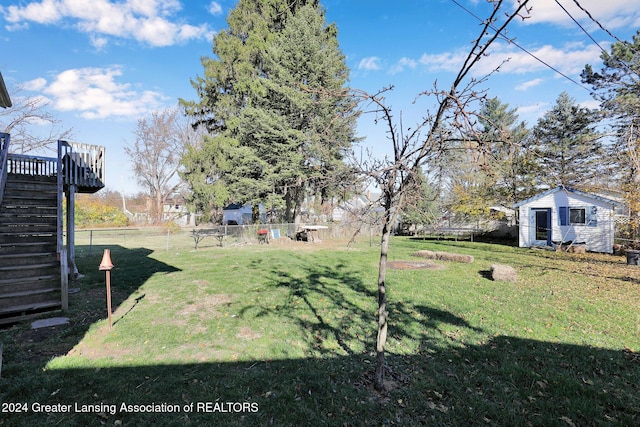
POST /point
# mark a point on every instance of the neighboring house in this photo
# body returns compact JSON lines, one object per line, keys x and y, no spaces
{"x":561,"y":215}
{"x":237,"y":214}
{"x":178,"y":212}
{"x":356,"y":207}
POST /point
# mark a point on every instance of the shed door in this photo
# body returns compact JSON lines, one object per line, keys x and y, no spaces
{"x":541,"y":226}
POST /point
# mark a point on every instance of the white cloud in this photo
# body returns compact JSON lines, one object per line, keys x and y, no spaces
{"x":153,"y":22}
{"x":215,"y":8}
{"x":35,"y":84}
{"x":528,"y":84}
{"x":611,"y":13}
{"x":534,"y":111}
{"x":369,"y":64}
{"x":45,"y":12}
{"x":95,"y":94}
{"x":568,"y":59}
{"x":449,"y":61}
{"x":99,"y":42}
{"x":402,"y":64}
{"x":591,"y":104}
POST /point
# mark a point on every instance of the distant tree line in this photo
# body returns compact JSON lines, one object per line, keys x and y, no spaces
{"x":276,"y":122}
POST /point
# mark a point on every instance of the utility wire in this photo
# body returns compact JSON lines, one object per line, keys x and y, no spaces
{"x":625,"y":43}
{"x":599,"y":24}
{"x":523,"y":49}
{"x":579,"y":25}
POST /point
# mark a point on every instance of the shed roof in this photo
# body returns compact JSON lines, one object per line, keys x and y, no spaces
{"x":233,"y":207}
{"x":5,"y":100}
{"x":568,"y":190}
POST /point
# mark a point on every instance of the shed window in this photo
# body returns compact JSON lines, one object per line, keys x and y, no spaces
{"x":577,"y":216}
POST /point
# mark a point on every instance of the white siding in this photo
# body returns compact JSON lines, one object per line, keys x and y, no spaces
{"x":598,"y":238}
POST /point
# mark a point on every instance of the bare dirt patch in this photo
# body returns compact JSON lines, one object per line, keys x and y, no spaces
{"x":206,"y":306}
{"x":248,"y":333}
{"x":414,"y":265}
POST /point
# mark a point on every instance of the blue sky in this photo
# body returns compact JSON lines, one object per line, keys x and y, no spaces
{"x":103,"y":64}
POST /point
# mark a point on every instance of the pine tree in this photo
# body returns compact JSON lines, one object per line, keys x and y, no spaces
{"x":617,"y":87}
{"x":277,"y":108}
{"x":567,"y":145}
{"x":512,"y":164}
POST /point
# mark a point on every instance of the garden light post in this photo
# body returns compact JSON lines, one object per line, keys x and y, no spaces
{"x":106,"y":265}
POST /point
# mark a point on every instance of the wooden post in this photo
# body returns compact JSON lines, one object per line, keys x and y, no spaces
{"x":71,"y":229}
{"x":109,"y":298}
{"x":106,"y":265}
{"x":64,"y":280}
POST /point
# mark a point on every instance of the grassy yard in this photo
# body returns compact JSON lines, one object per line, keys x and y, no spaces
{"x":283,"y":335}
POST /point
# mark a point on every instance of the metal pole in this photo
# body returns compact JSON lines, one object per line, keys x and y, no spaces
{"x":109,"y":298}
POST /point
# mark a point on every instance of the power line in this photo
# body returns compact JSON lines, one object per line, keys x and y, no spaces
{"x":523,"y":49}
{"x":625,"y":43}
{"x":579,"y":25}
{"x":598,"y":23}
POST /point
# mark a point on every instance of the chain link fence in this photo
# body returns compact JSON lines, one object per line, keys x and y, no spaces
{"x":90,"y":241}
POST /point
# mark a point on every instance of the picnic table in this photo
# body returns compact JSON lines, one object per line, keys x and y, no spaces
{"x":199,"y":234}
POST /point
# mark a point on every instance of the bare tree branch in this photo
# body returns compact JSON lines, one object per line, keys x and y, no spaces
{"x":32,"y":127}
{"x":454,"y":114}
{"x":160,"y":143}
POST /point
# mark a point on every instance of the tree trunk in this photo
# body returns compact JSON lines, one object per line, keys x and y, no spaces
{"x":383,"y":314}
{"x":255,"y":214}
{"x":298,"y":193}
{"x":158,"y":208}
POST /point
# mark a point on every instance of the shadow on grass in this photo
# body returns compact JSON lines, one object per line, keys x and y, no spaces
{"x":132,"y":268}
{"x":506,"y":381}
{"x":323,"y":286}
{"x":500,"y":381}
{"x":87,"y":305}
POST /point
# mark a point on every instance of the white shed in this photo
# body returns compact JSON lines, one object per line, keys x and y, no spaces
{"x":237,"y":214}
{"x":563,"y":214}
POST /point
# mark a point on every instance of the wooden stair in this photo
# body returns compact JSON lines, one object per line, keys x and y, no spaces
{"x":30,"y":280}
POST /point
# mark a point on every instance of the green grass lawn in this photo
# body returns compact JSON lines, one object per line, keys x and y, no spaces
{"x":284,"y":335}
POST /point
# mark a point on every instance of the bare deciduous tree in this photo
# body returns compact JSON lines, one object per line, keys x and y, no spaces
{"x":32,"y":127}
{"x":454,"y":119}
{"x":161,"y":141}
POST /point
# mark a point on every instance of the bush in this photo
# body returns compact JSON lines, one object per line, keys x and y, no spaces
{"x":92,"y":214}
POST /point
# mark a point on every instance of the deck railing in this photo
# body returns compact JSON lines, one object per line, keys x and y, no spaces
{"x":22,"y":164}
{"x":4,"y":154}
{"x":77,"y":168}
{"x":82,"y":164}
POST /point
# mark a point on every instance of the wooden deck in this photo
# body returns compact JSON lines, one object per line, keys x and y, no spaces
{"x":35,"y":263}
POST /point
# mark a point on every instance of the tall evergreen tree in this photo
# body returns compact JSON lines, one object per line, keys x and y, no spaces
{"x":567,"y":145}
{"x":512,"y":164}
{"x":617,"y":87}
{"x":501,"y":174}
{"x":276,"y":106}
